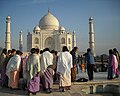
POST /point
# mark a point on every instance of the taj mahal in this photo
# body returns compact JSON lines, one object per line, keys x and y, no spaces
{"x":49,"y":34}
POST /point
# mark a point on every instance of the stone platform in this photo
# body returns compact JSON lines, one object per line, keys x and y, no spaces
{"x":100,"y":86}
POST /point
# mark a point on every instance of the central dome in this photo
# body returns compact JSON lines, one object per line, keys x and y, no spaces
{"x":49,"y":22}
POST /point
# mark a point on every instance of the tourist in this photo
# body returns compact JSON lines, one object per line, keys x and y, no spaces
{"x":74,"y":58}
{"x":33,"y":69}
{"x":90,"y":63}
{"x":24,"y":65}
{"x":115,"y":64}
{"x":13,"y":52}
{"x":2,"y":66}
{"x":110,"y":65}
{"x":47,"y":72}
{"x":12,"y":70}
{"x":116,"y":53}
{"x":54,"y":64}
{"x":10,"y":54}
{"x":64,"y":66}
{"x":21,"y":66}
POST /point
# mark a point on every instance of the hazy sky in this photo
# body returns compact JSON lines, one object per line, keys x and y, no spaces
{"x":72,"y":14}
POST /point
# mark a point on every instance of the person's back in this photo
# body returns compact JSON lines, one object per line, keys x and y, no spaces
{"x":14,"y":63}
{"x":90,"y":63}
{"x":46,"y":60}
{"x":2,"y":66}
{"x":64,"y":66}
{"x":12,"y":70}
{"x":33,"y":59}
{"x":47,"y":55}
{"x":33,"y":64}
{"x":89,"y":58}
{"x":68,"y":59}
{"x":2,"y":60}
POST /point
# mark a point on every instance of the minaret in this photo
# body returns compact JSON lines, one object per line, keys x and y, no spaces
{"x":7,"y":39}
{"x":91,"y":35}
{"x":20,"y":41}
{"x":74,"y":39}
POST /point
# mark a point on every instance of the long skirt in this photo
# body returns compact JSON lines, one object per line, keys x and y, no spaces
{"x":48,"y":78}
{"x":14,"y":79}
{"x":65,"y":80}
{"x":34,"y":84}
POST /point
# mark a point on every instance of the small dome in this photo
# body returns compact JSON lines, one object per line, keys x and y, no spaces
{"x":62,"y":28}
{"x":20,"y":31}
{"x":91,"y":18}
{"x":36,"y":28}
{"x":8,"y":16}
{"x":49,"y":22}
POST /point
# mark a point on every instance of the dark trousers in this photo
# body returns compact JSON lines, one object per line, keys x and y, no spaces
{"x":73,"y":74}
{"x":110,"y":73}
{"x":90,"y":69}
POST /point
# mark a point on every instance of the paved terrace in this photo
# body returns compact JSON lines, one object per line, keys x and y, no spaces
{"x":77,"y":88}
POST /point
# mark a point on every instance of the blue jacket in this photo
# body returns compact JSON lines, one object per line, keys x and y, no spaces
{"x":89,"y":58}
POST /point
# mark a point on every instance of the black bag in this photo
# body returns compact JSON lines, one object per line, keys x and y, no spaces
{"x":82,"y":80}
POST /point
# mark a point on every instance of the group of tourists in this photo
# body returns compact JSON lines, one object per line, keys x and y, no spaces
{"x":113,"y":64}
{"x":39,"y":69}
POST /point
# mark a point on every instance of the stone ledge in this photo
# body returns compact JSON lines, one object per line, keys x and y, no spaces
{"x":115,"y":81}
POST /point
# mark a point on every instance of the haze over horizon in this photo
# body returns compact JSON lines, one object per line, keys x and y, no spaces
{"x":72,"y":14}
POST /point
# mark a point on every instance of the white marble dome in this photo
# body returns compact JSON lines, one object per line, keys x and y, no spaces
{"x":36,"y":28}
{"x":49,"y":22}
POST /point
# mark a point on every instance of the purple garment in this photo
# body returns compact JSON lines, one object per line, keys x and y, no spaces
{"x":48,"y":78}
{"x":34,"y":84}
{"x":3,"y":78}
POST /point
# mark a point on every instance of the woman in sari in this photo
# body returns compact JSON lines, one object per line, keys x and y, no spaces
{"x":32,"y":69}
{"x":112,"y":65}
{"x":12,"y":70}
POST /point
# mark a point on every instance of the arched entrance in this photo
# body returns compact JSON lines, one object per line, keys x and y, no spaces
{"x":49,"y":43}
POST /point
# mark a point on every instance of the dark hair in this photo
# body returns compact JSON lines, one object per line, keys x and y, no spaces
{"x":13,"y":50}
{"x":56,"y":52}
{"x":65,"y":48}
{"x":19,"y":52}
{"x":88,"y":50}
{"x":46,"y":49}
{"x":9,"y":51}
{"x":75,"y":48}
{"x":33,"y":50}
{"x":110,"y":51}
{"x":41,"y":51}
{"x":53,"y":51}
{"x":114,"y":49}
{"x":4,"y":51}
{"x":37,"y":50}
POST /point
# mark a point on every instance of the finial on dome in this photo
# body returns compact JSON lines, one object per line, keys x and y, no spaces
{"x":91,"y":18}
{"x":48,"y":10}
